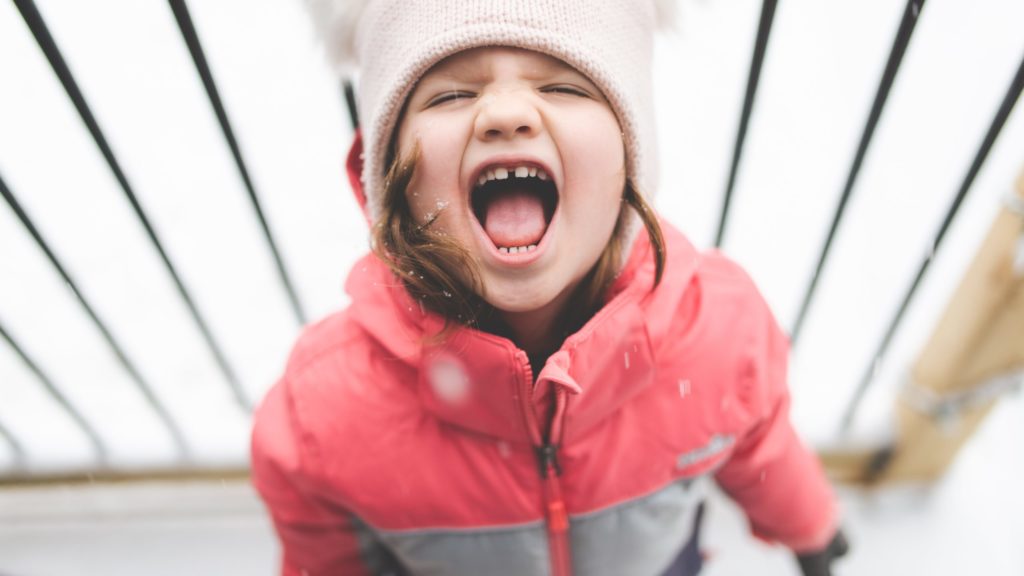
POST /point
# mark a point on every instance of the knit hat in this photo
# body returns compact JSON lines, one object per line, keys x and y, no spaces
{"x":392,"y":43}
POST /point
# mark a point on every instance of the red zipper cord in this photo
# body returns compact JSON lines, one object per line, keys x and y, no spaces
{"x":558,"y":517}
{"x":558,"y":525}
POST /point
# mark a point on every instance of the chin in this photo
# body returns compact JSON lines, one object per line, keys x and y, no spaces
{"x":520,"y":297}
{"x":518,"y":303}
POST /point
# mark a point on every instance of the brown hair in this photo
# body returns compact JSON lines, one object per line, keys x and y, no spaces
{"x":427,"y":261}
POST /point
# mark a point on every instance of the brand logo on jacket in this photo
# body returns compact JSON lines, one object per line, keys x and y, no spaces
{"x":718,"y":444}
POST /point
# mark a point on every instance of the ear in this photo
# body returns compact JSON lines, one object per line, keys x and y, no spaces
{"x":354,"y":168}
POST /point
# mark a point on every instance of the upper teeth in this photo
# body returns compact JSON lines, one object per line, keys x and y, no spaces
{"x":502,"y":173}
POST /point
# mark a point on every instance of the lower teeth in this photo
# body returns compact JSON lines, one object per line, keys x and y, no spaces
{"x":517,"y":249}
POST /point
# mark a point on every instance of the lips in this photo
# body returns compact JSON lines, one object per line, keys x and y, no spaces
{"x":514,"y":203}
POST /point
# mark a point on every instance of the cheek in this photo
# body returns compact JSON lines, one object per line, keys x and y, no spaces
{"x":435,"y":183}
{"x":595,"y":166}
{"x":428,"y":193}
{"x":591,"y":140}
{"x":599,"y":211}
{"x":606,"y":138}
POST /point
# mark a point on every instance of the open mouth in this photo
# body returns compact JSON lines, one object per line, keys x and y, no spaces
{"x":514,"y":205}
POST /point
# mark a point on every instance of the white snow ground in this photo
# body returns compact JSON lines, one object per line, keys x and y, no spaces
{"x":822,"y":68}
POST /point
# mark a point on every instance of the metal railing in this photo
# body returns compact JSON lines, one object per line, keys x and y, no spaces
{"x":908,"y":21}
{"x":47,"y":44}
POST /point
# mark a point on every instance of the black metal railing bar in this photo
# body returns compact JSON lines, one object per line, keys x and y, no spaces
{"x":188,"y":32}
{"x":35,"y":22}
{"x":899,"y":48}
{"x":1011,"y":97}
{"x":98,"y":446}
{"x":350,"y":102}
{"x":764,"y":28}
{"x":118,"y":350}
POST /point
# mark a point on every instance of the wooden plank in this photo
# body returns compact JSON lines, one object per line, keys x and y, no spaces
{"x":974,"y":322}
{"x":979,"y":337}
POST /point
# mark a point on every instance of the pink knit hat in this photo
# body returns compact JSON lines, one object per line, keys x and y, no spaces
{"x":392,"y":43}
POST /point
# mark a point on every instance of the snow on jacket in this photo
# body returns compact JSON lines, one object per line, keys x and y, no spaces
{"x":382,"y":451}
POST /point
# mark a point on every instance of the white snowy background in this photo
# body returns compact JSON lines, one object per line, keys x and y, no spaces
{"x":821,"y":71}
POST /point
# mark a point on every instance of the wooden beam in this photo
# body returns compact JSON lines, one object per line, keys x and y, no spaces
{"x":979,"y":339}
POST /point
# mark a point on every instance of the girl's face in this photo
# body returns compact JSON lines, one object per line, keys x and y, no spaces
{"x":522,"y":161}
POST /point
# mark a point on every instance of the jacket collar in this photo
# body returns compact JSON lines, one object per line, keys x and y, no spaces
{"x":483,"y":382}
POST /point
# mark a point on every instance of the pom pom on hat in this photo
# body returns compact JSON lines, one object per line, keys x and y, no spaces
{"x":336,"y":23}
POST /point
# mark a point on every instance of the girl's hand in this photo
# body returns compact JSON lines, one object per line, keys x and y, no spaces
{"x":820,"y":563}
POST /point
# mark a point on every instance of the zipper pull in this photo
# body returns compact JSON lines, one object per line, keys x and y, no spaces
{"x":550,"y":470}
{"x":547,"y":457}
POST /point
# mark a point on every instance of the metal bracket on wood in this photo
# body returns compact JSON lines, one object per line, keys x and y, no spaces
{"x":946,"y":408}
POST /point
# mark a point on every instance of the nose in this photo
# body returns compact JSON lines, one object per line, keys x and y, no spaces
{"x":505,"y":116}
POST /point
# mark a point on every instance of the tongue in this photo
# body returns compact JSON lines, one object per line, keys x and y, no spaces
{"x":515,"y":218}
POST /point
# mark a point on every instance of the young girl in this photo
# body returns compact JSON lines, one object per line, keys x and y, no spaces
{"x":535,"y":375}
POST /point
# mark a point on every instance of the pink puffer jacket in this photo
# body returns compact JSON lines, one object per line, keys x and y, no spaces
{"x":380,"y":451}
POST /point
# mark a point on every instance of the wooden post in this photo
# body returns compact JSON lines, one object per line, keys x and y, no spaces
{"x":975,"y":352}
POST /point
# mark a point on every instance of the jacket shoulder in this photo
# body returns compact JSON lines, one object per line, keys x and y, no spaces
{"x":332,"y":334}
{"x":337,"y":367}
{"x":339,"y":383}
{"x":723,"y":273}
{"x":279,"y":433}
{"x":735,"y":325}
{"x":704,"y":292}
{"x":703,"y":278}
{"x":731,"y":295}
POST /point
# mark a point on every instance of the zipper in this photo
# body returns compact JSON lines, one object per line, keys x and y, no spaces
{"x":546,"y":447}
{"x":557,"y":518}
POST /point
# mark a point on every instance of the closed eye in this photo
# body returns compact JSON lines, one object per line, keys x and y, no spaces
{"x":448,"y":97}
{"x":565,"y":89}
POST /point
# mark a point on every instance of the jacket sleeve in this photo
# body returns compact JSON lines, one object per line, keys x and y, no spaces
{"x":317,"y":538}
{"x":779,"y":483}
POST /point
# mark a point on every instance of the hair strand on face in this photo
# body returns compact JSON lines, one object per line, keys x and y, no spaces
{"x":422,"y":257}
